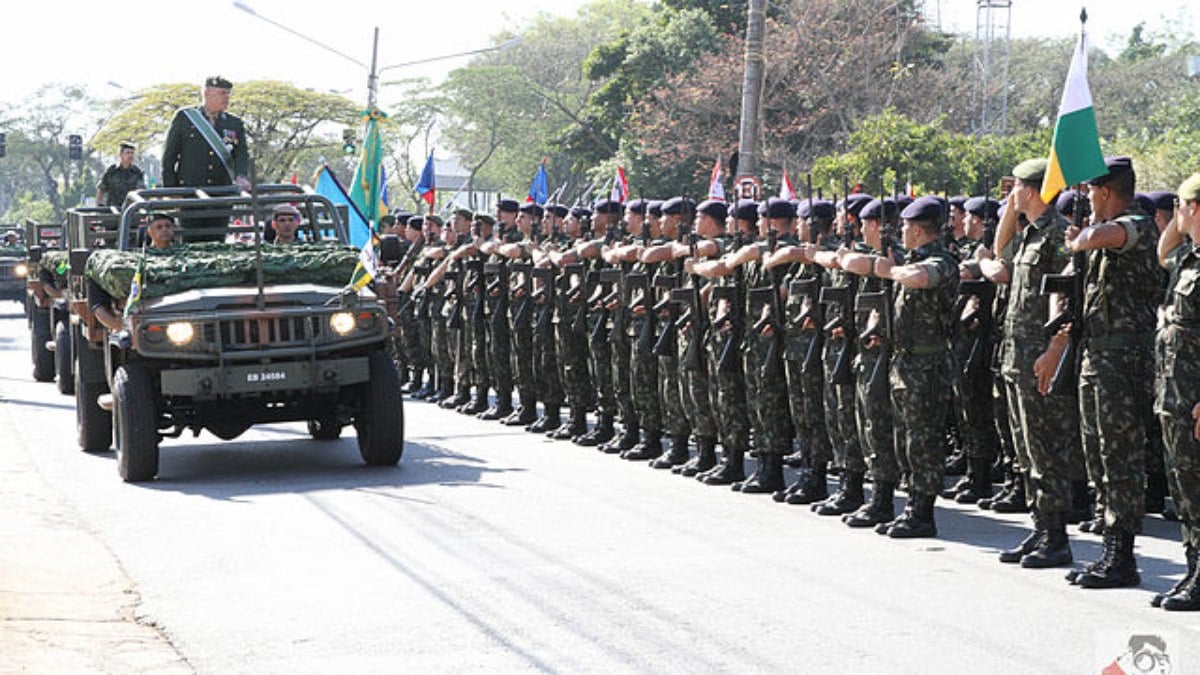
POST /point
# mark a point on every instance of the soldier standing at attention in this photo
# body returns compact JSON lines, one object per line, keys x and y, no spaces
{"x":1121,"y":292}
{"x":207,"y":146}
{"x":120,"y":178}
{"x":1177,"y":387}
{"x":1041,"y":424}
{"x":921,"y":375}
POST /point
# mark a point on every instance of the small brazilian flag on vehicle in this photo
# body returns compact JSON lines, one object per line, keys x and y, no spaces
{"x":368,"y":264}
{"x":135,"y":288}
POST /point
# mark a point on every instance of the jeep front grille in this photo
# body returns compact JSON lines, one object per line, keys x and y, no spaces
{"x":259,"y":332}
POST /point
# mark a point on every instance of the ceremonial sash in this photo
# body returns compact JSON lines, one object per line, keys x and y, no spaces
{"x":210,"y":135}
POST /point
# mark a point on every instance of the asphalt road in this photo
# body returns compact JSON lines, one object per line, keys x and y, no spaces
{"x":490,"y":549}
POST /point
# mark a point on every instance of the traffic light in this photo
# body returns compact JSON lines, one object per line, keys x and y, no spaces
{"x":348,"y":141}
{"x":75,"y":146}
{"x":3,"y":144}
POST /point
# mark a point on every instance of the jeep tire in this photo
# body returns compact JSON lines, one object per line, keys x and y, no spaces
{"x":135,"y":407}
{"x":93,"y":423}
{"x":380,"y":424}
{"x":43,"y":359}
{"x":62,"y":359}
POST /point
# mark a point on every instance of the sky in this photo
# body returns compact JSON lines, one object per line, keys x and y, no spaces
{"x":118,"y":46}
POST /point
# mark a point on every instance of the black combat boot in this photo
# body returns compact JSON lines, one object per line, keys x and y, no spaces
{"x":881,"y":509}
{"x":1156,"y":491}
{"x":705,"y":459}
{"x":414,"y":384}
{"x":551,"y":419}
{"x":1028,"y":544}
{"x":426,"y":390}
{"x":1015,"y":501}
{"x":768,"y":478}
{"x":847,"y":499}
{"x":677,"y":456}
{"x":602,"y":433}
{"x":1118,"y":567}
{"x":577,"y":425}
{"x":1081,"y":503}
{"x":920,"y":522}
{"x":979,"y":486}
{"x":799,"y":458}
{"x":630,"y":435}
{"x":1186,"y":598}
{"x":1010,"y":479}
{"x":811,"y":488}
{"x":731,"y":469}
{"x":501,"y":410}
{"x":453,"y":399}
{"x":1054,"y":548}
{"x":525,"y":414}
{"x":1189,"y":553}
{"x":649,"y":448}
{"x":446,"y":389}
{"x":1096,"y":524}
{"x":477,"y":404}
{"x":956,"y":463}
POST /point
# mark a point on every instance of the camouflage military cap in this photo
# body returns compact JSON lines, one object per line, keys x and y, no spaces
{"x":1189,"y":190}
{"x":218,"y":82}
{"x":1031,"y":170}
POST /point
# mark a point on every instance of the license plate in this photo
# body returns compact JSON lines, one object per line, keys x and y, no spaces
{"x":266,"y":376}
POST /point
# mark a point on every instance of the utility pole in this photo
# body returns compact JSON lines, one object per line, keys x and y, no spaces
{"x":752,"y":88}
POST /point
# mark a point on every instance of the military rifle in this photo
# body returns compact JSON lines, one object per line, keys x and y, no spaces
{"x":1071,"y":287}
{"x":731,"y":348}
{"x":843,"y":298}
{"x":807,"y":291}
{"x":985,"y":291}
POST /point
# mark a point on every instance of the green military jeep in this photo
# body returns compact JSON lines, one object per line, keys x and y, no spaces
{"x":222,"y":336}
{"x":46,"y":304}
{"x":13,"y":268}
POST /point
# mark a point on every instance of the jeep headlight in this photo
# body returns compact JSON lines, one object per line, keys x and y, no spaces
{"x":21,"y":270}
{"x":342,"y":322}
{"x":180,"y":332}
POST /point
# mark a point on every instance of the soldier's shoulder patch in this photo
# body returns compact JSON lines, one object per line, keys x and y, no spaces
{"x":1062,"y":251}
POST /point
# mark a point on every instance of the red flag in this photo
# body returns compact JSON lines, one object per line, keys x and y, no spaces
{"x":620,"y":188}
{"x":295,"y":181}
{"x":785,"y":188}
{"x":716,"y":189}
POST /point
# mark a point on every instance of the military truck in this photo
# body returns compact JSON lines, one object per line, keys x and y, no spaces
{"x":46,"y":305}
{"x":227,"y":353}
{"x":13,"y":268}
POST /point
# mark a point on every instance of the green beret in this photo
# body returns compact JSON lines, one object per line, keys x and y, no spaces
{"x":485,"y":217}
{"x":1189,"y":190}
{"x":436,"y":219}
{"x":1031,"y":170}
{"x":464,"y":213}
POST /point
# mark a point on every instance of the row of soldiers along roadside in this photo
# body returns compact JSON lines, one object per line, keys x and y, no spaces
{"x":832,"y":336}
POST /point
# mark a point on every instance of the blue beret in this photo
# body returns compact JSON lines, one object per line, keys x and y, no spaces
{"x":713,"y":207}
{"x":875,"y":208}
{"x":780,"y":208}
{"x":581,"y":212}
{"x":854,"y":203}
{"x":984,"y":207}
{"x":608,"y":206}
{"x":416,"y":222}
{"x":821,"y":209}
{"x":508,"y":206}
{"x":1145,"y":203}
{"x":654,"y":207}
{"x":676,"y":205}
{"x":403,"y":217}
{"x":637,"y":206}
{"x":533,"y":209}
{"x":927,"y":208}
{"x":959,"y":201}
{"x":1117,"y":166}
{"x":558,"y":210}
{"x":1066,"y":202}
{"x":903,"y":201}
{"x":1163,"y":200}
{"x":746,"y":209}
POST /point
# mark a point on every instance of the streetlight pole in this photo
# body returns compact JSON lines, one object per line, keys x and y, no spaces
{"x":373,"y":70}
{"x":752,"y":88}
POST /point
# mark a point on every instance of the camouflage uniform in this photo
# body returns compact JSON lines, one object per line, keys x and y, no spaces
{"x":805,"y":386}
{"x":840,"y":422}
{"x":645,"y":364}
{"x":572,"y":340}
{"x":766,"y":380}
{"x":599,"y":349}
{"x":521,"y":318}
{"x":497,"y":333}
{"x":922,"y":368}
{"x":873,"y":409}
{"x":1115,"y":376}
{"x":1177,"y":389}
{"x":1043,"y":426}
{"x":727,"y":383}
{"x":973,"y":395}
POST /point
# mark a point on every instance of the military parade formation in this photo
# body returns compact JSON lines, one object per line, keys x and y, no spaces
{"x":888,"y":341}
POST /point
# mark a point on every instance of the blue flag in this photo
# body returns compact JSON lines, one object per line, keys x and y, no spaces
{"x":539,"y":190}
{"x":384,"y":195}
{"x":426,"y":186}
{"x":329,"y":187}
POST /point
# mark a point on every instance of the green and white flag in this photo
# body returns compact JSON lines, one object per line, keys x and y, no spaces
{"x":1075,"y":154}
